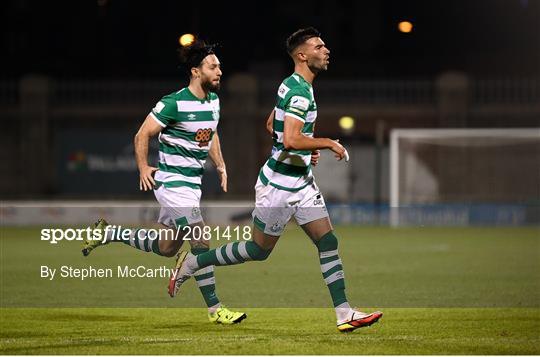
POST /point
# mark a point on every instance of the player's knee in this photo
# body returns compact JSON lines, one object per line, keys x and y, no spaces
{"x":327,"y":242}
{"x":256,"y":252}
{"x":168,"y":250}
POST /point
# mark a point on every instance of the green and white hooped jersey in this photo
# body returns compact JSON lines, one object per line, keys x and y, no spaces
{"x":189,"y":124}
{"x":290,"y":170}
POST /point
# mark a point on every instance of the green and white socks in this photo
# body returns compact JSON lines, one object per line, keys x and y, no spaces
{"x":240,"y":252}
{"x":137,"y":238}
{"x":229,"y":254}
{"x":206,"y":282}
{"x":332,"y":272}
{"x":141,"y":240}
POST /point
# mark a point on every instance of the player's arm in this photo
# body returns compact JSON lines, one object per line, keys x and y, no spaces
{"x":148,"y":129}
{"x":217,"y":158}
{"x":315,"y":154}
{"x":295,"y":140}
{"x":269,"y":123}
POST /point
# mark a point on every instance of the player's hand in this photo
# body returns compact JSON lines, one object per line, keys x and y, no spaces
{"x":338,"y":149}
{"x":146,"y":178}
{"x":315,"y":156}
{"x":222,"y":171}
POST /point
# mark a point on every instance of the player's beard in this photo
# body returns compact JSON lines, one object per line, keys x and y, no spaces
{"x":209,"y":86}
{"x":318,"y":66}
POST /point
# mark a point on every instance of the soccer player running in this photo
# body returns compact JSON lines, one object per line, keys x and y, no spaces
{"x":286,"y":186}
{"x":186,"y":122}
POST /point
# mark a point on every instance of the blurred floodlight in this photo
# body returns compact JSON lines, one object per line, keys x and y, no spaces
{"x":405,"y":26}
{"x":346,"y":123}
{"x":186,"y":39}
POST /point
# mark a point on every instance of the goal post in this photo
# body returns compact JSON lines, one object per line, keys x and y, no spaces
{"x":464,"y":167}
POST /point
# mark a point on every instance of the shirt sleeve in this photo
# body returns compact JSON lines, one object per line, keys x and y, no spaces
{"x":297,"y":105}
{"x":165,"y":111}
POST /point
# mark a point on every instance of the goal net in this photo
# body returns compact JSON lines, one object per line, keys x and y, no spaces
{"x":468,"y":167}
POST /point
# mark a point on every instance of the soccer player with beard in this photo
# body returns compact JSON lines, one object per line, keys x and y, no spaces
{"x":286,"y":186}
{"x":186,"y":122}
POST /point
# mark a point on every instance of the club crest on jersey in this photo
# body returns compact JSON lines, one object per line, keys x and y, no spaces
{"x":215,"y":113}
{"x":195,"y":212}
{"x":276,"y":227}
{"x":299,"y":102}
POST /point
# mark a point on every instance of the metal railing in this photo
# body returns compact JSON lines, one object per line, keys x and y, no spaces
{"x":111,"y":91}
{"x":506,"y":91}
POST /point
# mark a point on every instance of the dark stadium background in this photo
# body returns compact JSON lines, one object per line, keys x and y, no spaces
{"x":115,"y":38}
{"x":80,"y":76}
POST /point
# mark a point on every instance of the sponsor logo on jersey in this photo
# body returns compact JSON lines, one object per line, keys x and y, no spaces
{"x":191,"y":116}
{"x":299,"y":102}
{"x":203,"y":136}
{"x":318,"y":201}
{"x":282,"y":91}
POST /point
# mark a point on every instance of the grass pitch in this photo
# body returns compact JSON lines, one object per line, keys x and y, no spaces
{"x":442,"y":290}
{"x":268,"y":331}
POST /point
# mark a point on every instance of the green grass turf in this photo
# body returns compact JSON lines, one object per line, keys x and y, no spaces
{"x":268,"y":331}
{"x":443,"y":291}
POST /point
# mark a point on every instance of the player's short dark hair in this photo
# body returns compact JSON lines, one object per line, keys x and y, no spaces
{"x":192,"y":55}
{"x":299,"y":37}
